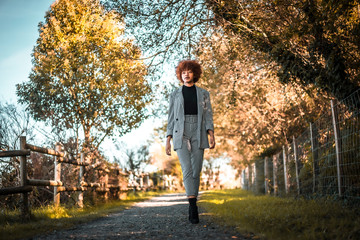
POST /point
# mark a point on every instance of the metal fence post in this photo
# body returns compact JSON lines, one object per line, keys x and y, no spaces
{"x":286,"y":175}
{"x":242,"y":179}
{"x":57,"y":175}
{"x":313,"y":141}
{"x":247,"y":178}
{"x":254,"y":178}
{"x":275,"y":168}
{"x":335,"y":121}
{"x":266,"y":175}
{"x":296,"y":158}
{"x":25,"y":212}
{"x":250,"y":177}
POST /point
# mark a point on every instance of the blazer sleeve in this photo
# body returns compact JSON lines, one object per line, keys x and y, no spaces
{"x":209,"y":123}
{"x":170,"y":126}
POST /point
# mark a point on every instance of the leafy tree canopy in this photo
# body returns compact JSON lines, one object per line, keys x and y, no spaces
{"x":313,"y":42}
{"x":84,"y":73}
{"x":254,"y":113}
{"x":167,"y":30}
{"x":270,"y":65}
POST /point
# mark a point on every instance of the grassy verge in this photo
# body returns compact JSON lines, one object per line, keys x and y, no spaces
{"x":282,"y":218}
{"x":49,"y":218}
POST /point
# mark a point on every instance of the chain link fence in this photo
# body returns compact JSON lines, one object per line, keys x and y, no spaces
{"x":323,"y":161}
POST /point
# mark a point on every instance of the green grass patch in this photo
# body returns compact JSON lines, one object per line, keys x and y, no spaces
{"x":282,"y":218}
{"x":49,"y":218}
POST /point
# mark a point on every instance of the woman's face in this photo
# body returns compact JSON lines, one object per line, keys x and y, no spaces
{"x":187,"y":76}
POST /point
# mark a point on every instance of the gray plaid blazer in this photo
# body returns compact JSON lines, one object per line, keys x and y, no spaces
{"x":175,"y":127}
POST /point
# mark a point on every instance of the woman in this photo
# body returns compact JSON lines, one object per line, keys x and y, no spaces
{"x":190,"y":121}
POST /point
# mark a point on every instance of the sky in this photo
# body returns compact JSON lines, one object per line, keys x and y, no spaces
{"x":18,"y":28}
{"x":19,"y":21}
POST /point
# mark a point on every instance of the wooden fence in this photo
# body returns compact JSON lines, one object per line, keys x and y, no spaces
{"x":115,"y":180}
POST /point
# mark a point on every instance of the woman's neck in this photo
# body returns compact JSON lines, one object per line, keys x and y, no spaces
{"x":189,"y":84}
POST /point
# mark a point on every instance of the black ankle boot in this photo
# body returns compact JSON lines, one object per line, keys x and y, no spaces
{"x":193,"y":211}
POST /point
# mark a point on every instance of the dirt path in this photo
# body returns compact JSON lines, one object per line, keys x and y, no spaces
{"x":163,"y":217}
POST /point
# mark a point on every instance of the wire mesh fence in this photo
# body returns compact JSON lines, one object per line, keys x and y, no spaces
{"x":324,"y":160}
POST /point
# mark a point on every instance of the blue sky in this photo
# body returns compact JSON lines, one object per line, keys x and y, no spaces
{"x":18,"y":28}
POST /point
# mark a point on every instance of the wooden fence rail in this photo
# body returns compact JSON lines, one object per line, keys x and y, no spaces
{"x":26,"y":185}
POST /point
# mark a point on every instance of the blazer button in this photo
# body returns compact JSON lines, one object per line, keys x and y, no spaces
{"x":177,"y":119}
{"x":176,"y":131}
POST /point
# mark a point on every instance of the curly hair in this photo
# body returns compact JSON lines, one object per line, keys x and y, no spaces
{"x":192,"y":65}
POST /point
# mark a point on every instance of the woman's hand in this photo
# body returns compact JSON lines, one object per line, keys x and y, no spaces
{"x":168,"y":146}
{"x":212,"y":139}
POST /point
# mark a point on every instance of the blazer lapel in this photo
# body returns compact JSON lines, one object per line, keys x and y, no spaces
{"x":180,"y":99}
{"x":180,"y":96}
{"x":200,"y":100}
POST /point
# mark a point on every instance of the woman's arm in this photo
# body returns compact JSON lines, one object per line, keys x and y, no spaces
{"x":170,"y":126}
{"x":209,"y":123}
{"x":168,"y":146}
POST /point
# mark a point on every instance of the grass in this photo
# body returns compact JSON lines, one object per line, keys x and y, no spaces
{"x":282,"y":218}
{"x":49,"y":218}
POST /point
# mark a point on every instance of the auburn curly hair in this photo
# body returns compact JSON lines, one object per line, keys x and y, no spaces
{"x":192,"y":65}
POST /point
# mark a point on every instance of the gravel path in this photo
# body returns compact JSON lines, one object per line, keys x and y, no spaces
{"x":163,"y":217}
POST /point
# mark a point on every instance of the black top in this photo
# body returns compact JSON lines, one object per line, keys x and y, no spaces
{"x":190,"y":100}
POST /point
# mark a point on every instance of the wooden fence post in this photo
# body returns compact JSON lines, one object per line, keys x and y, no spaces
{"x":266,"y":175}
{"x":335,"y":121}
{"x":147,"y":181}
{"x":163,"y":178}
{"x":142,"y":181}
{"x":106,"y":184}
{"x":81,"y":179}
{"x":314,"y":154}
{"x":296,"y":159}
{"x":275,"y":169}
{"x":57,"y":175}
{"x":25,"y":212}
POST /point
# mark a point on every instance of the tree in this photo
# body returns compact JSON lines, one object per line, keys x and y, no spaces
{"x":253,"y":112}
{"x":167,"y":30}
{"x":313,"y":42}
{"x":268,"y":64}
{"x":84,"y":75}
{"x":135,"y":158}
{"x":14,"y":122}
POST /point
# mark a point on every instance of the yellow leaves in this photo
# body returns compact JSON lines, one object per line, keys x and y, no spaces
{"x":80,"y":58}
{"x":66,"y":62}
{"x":254,"y":110}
